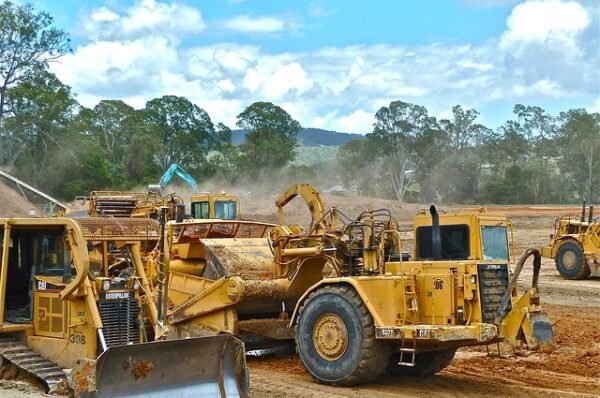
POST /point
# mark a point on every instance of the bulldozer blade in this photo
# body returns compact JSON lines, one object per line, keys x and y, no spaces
{"x":542,"y":330}
{"x":213,"y":366}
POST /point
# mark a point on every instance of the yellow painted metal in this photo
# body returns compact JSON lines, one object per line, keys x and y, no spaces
{"x":464,"y":334}
{"x":159,"y":329}
{"x":585,"y":233}
{"x":196,"y":298}
{"x":213,"y":296}
{"x":211,"y":198}
{"x":51,"y":317}
{"x":62,"y":351}
{"x":4,"y":270}
{"x":330,"y":337}
{"x":311,"y":196}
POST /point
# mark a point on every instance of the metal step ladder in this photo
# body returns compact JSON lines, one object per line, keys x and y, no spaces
{"x":32,"y":362}
{"x":408,"y":350}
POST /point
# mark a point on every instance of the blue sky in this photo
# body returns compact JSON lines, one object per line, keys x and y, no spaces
{"x":330,"y":63}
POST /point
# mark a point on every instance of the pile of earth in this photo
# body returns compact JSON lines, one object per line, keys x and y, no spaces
{"x":12,"y":203}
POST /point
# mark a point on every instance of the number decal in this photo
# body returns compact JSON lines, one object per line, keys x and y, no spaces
{"x":77,"y":339}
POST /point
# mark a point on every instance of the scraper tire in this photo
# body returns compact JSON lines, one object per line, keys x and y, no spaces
{"x":570,"y":260}
{"x":335,"y":338}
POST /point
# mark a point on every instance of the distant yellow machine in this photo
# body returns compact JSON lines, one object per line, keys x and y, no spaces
{"x":343,"y":288}
{"x":206,"y":205}
{"x":575,"y":245}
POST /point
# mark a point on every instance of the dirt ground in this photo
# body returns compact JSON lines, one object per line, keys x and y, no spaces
{"x":571,"y":370}
{"x":12,"y":203}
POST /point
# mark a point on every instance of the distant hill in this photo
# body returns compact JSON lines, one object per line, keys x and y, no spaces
{"x":309,"y":137}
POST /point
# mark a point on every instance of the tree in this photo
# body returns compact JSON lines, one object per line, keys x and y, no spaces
{"x":395,"y":132}
{"x":114,"y":125}
{"x":28,"y":42}
{"x":272,"y":137}
{"x":111,"y":124}
{"x":184,"y":132}
{"x":462,"y":168}
{"x":580,"y":152}
{"x":355,"y":158}
{"x":540,"y":129}
{"x":508,"y":147}
{"x":42,"y":109}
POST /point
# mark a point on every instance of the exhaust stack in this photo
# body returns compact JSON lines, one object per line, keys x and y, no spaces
{"x":436,"y":236}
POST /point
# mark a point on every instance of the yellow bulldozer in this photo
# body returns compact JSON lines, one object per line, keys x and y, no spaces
{"x":575,"y":245}
{"x":344,"y":290}
{"x":77,"y":288}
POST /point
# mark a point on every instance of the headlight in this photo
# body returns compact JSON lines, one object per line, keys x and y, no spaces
{"x":473,"y":279}
{"x":106,"y":284}
{"x":136,"y":284}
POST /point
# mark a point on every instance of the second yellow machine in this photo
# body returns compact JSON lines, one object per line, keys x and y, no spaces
{"x":355,"y":303}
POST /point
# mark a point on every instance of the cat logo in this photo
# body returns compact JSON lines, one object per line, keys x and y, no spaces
{"x":438,"y":284}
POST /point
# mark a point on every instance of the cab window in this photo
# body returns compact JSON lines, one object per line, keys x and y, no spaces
{"x":494,"y":240}
{"x":225,"y":209}
{"x":200,"y":210}
{"x":455,"y":242}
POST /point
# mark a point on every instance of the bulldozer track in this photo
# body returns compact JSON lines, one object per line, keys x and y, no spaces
{"x":31,"y":362}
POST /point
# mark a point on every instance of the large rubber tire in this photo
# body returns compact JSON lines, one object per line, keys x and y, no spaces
{"x":570,"y":260}
{"x":426,"y":363}
{"x":361,"y":359}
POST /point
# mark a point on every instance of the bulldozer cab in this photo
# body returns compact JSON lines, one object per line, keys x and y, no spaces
{"x":207,"y":205}
{"x":36,"y":261}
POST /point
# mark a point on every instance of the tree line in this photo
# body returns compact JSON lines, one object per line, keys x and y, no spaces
{"x":533,"y":158}
{"x":50,"y":140}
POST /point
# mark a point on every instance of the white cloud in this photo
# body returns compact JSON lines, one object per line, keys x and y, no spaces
{"x":543,"y":87}
{"x":249,"y":24}
{"x":358,"y":122}
{"x":469,"y":64}
{"x":129,"y":57}
{"x":545,"y":20}
{"x":286,"y":78}
{"x":103,"y":14}
{"x":144,"y":17}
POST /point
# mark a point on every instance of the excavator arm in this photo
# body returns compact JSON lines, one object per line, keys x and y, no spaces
{"x":175,"y":169}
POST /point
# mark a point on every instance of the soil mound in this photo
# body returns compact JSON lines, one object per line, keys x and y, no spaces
{"x":12,"y":203}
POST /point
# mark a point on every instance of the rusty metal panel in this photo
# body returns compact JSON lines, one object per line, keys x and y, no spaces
{"x":118,"y":229}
